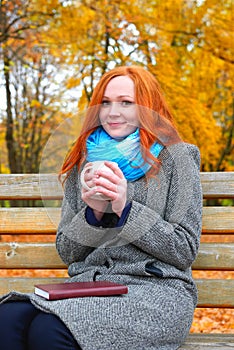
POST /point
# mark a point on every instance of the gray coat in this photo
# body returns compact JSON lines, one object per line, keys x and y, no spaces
{"x":163,"y":229}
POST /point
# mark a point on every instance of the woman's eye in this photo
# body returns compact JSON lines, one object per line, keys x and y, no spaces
{"x":105,"y":103}
{"x":126,"y":103}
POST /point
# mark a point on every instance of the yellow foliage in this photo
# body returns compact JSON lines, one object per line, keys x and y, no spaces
{"x":72,"y":82}
{"x":187,"y":45}
{"x":35,"y":103}
{"x":3,"y":152}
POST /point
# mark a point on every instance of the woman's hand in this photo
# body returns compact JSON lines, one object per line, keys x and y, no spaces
{"x":113,"y":185}
{"x":98,"y":206}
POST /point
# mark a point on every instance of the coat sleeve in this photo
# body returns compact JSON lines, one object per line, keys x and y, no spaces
{"x":75,"y":238}
{"x":170,"y":234}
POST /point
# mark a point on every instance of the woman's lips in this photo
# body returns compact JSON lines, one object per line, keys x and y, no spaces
{"x":115,"y":125}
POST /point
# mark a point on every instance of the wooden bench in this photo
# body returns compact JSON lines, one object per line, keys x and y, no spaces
{"x":17,"y":223}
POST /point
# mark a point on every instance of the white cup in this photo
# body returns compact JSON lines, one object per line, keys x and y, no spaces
{"x":94,"y":166}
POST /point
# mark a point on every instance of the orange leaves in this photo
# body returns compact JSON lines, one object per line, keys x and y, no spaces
{"x":35,"y":103}
{"x":213,"y":321}
{"x":187,"y":45}
{"x":72,"y":82}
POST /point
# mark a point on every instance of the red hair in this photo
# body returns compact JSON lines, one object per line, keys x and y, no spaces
{"x":155,"y":118}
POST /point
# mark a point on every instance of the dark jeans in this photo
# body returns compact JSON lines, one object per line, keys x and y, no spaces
{"x":24,"y":327}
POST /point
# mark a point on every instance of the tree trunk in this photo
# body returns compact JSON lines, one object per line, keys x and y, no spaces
{"x":12,"y":159}
{"x":228,"y":147}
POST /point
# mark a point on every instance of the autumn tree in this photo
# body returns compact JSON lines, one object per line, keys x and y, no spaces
{"x":185,"y":44}
{"x":27,"y":74}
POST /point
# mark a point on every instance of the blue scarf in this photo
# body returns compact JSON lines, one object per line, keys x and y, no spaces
{"x":126,"y":153}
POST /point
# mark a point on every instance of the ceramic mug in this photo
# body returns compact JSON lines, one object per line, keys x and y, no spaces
{"x":94,"y":166}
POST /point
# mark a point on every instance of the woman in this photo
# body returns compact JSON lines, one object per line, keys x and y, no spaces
{"x":145,"y":235}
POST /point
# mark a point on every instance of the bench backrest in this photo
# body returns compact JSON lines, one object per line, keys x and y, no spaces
{"x":28,"y":233}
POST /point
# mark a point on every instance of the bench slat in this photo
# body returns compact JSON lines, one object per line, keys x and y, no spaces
{"x":24,"y":285}
{"x":215,"y":256}
{"x":211,"y":256}
{"x":217,"y":184}
{"x":216,"y":220}
{"x":30,"y":255}
{"x":29,"y":221}
{"x":31,"y":186}
{"x":208,"y":342}
{"x":208,"y":296}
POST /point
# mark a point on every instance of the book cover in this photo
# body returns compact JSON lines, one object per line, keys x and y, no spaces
{"x":56,"y":291}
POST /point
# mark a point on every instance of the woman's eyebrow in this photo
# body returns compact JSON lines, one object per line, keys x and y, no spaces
{"x":119,"y":96}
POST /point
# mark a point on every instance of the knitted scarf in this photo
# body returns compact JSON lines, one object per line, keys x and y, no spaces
{"x":125,"y":152}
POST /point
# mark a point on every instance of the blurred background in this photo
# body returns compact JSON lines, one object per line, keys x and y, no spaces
{"x":53,"y":52}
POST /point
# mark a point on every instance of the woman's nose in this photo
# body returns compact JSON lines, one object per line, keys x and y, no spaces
{"x":114,"y":109}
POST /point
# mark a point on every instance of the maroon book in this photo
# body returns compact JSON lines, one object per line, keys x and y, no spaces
{"x":55,"y":291}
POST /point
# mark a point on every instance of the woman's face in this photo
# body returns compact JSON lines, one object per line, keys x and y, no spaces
{"x":118,"y":111}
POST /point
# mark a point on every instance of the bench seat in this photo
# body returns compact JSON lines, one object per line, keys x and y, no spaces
{"x":28,"y":232}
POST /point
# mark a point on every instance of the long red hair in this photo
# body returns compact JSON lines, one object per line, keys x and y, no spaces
{"x":155,"y":118}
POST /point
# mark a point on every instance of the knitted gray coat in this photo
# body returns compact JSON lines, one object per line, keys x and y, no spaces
{"x":163,"y":228}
